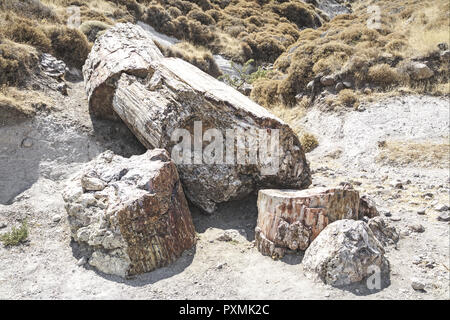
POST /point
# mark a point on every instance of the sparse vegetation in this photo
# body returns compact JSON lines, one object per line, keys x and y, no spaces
{"x":412,"y":153}
{"x":360,"y":54}
{"x":200,"y":57}
{"x":309,"y":142}
{"x":348,"y":98}
{"x":16,"y":236}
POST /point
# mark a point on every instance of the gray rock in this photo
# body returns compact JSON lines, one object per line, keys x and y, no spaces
{"x":421,"y":211}
{"x":62,"y":88}
{"x":344,"y":253}
{"x":327,"y":81}
{"x":444,"y":217}
{"x":441,"y":208}
{"x":56,"y":218}
{"x":347,"y":84}
{"x":419,"y":71}
{"x":417,"y":227}
{"x":339,"y":86}
{"x":52,"y":66}
{"x":417,"y":284}
{"x":3,"y":225}
{"x":90,"y":183}
{"x":445,"y":55}
{"x":81,"y":262}
{"x":27,"y":143}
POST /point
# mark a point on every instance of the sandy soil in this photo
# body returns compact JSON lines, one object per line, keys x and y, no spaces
{"x":47,"y":267}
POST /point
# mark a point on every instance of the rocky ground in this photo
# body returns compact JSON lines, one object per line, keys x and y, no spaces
{"x":43,"y":152}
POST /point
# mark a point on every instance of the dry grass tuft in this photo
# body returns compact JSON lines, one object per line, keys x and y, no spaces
{"x":416,"y":154}
{"x":309,"y":142}
{"x":348,"y":98}
{"x":200,"y":57}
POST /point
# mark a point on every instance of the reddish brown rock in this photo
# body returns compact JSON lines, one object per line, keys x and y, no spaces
{"x":291,"y":219}
{"x":130,"y":215}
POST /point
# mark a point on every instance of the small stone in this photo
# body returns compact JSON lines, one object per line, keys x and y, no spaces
{"x":445,"y":55}
{"x":92,"y":183}
{"x":339,"y":86}
{"x":417,"y":228}
{"x":421,"y":211}
{"x":327,"y":81}
{"x":225,"y":237}
{"x":347,"y":84}
{"x":441,"y":208}
{"x":62,"y":88}
{"x":3,"y":225}
{"x":395,"y":218}
{"x":27,"y":143}
{"x":444,"y":217}
{"x":386,"y":213}
{"x":443,"y":46}
{"x":417,"y":284}
{"x":81,"y":262}
{"x":220,"y":266}
{"x":56,"y":218}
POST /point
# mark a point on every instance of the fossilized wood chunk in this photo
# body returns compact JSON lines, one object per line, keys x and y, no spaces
{"x":292,"y":219}
{"x":130,"y":214}
{"x":347,"y":251}
{"x":175,"y":95}
{"x":367,"y":207}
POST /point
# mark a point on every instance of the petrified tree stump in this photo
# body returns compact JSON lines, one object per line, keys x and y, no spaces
{"x":130,"y":215}
{"x":292,"y":219}
{"x":157,"y":97}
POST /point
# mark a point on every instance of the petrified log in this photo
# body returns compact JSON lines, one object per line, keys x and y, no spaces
{"x":130,"y":215}
{"x":127,"y":49}
{"x":177,"y":101}
{"x":294,"y":218}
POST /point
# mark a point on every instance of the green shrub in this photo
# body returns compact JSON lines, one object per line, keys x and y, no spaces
{"x":16,"y":236}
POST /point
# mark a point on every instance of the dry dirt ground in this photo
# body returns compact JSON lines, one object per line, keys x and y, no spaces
{"x":47,"y":266}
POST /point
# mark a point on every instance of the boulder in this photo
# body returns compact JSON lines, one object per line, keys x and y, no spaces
{"x":345,"y":252}
{"x":292,"y":219}
{"x":129,"y":215}
{"x":419,"y":71}
{"x":165,"y":100}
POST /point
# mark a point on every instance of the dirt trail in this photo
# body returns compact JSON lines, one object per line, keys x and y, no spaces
{"x":46,"y":267}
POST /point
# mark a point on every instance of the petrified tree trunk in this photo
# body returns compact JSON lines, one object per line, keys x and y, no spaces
{"x":174,"y":95}
{"x":293,"y":219}
{"x":130,"y":214}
